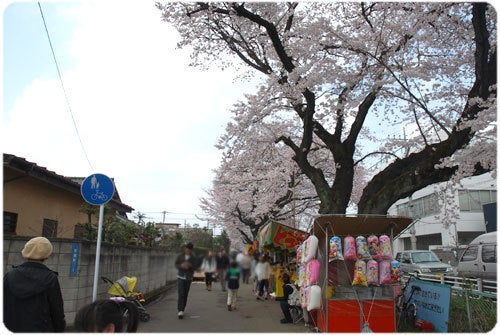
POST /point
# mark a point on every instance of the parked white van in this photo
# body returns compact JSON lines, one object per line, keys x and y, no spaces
{"x":479,"y":260}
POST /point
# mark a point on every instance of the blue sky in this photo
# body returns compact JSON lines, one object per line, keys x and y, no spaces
{"x":24,"y":36}
{"x":144,"y":116}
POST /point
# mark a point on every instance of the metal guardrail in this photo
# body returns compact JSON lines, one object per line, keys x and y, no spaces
{"x":458,"y":284}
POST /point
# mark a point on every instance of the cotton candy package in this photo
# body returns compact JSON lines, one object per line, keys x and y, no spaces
{"x":362,"y":248}
{"x":335,"y":249}
{"x":372,"y":272}
{"x":360,"y":273}
{"x":385,"y":247}
{"x":350,"y":248}
{"x":373,"y":247}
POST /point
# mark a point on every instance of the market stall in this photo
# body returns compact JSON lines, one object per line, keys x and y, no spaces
{"x":275,"y":236}
{"x":280,"y":240}
{"x":350,"y":299}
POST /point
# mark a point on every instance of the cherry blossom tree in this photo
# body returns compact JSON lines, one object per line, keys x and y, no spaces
{"x":352,"y":73}
{"x":256,"y":182}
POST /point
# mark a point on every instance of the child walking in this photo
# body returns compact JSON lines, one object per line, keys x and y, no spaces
{"x":233,"y":284}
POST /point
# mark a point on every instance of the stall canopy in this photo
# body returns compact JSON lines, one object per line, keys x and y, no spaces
{"x":355,"y":225}
{"x":275,"y":235}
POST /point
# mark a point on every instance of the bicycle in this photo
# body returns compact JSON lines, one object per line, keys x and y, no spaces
{"x":406,"y":310}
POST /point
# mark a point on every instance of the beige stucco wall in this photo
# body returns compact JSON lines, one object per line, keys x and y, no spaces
{"x":34,"y":201}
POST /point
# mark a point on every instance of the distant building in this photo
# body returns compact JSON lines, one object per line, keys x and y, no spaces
{"x":39,"y":202}
{"x":168,"y":228}
{"x":429,"y":232}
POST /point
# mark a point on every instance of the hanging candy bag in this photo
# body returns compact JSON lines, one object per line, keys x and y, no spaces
{"x":299,"y":254}
{"x":350,"y":248}
{"x":359,"y":273}
{"x":384,"y":272}
{"x":373,"y":247}
{"x":395,"y":271}
{"x":385,"y":247}
{"x":311,"y":248}
{"x":362,"y":248}
{"x":372,"y":272}
{"x":335,"y":249}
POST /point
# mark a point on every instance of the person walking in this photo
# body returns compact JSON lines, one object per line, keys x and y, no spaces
{"x":209,"y":266}
{"x":222,"y":267}
{"x":245,"y":265}
{"x":255,"y":261}
{"x":32,"y":300}
{"x":233,"y":284}
{"x":185,"y":263}
{"x":263,"y":271}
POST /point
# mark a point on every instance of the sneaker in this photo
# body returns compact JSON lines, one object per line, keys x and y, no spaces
{"x":285,"y":321}
{"x":180,"y":314}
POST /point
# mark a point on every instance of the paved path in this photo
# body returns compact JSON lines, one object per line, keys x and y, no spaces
{"x":206,"y":311}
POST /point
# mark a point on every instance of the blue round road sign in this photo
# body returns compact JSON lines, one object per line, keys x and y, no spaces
{"x":97,"y":189}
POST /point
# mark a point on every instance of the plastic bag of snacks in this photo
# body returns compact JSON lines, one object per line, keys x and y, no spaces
{"x":299,"y":254}
{"x":313,"y":267}
{"x":314,"y":301}
{"x":395,"y":271}
{"x":301,"y":275}
{"x":373,"y":247}
{"x":304,"y":295}
{"x":311,"y":246}
{"x":335,"y":249}
{"x":350,"y":248}
{"x":359,"y":273}
{"x":384,"y":272}
{"x":372,"y":272}
{"x":385,"y":247}
{"x":362,"y":248}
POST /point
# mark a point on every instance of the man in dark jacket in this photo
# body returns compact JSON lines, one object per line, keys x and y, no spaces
{"x":186,"y":263}
{"x":222,"y":267}
{"x":32,"y":296}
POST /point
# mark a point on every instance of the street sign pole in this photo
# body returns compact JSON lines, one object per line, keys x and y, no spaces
{"x":97,"y":189}
{"x":98,"y":253}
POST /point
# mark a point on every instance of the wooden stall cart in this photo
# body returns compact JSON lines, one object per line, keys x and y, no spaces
{"x":346,"y":307}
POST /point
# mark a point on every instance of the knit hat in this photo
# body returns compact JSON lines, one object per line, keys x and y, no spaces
{"x":38,"y":248}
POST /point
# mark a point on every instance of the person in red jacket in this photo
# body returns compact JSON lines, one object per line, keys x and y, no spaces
{"x":32,"y":299}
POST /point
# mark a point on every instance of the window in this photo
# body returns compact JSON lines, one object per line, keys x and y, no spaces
{"x":406,"y":258}
{"x":9,"y":223}
{"x":424,"y":257}
{"x":473,"y":201}
{"x":489,"y":254}
{"x":49,"y":228}
{"x":420,"y":207}
{"x":470,"y":254}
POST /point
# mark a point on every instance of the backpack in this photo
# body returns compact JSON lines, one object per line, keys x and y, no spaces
{"x":294,"y":297}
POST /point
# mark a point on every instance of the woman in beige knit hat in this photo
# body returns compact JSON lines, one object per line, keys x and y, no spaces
{"x":32,"y":294}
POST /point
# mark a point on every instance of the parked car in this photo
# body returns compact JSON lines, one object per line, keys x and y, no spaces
{"x":422,"y":262}
{"x":479,"y":260}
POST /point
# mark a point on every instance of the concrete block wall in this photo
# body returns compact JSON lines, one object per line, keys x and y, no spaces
{"x":154,"y":268}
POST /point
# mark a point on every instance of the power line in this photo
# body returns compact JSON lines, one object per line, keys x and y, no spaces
{"x":64,"y":89}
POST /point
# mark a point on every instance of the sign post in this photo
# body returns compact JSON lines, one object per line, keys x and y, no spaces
{"x":433,"y":303}
{"x":97,"y":189}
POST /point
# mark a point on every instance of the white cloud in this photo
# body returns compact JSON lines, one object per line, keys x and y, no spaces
{"x":145,"y":118}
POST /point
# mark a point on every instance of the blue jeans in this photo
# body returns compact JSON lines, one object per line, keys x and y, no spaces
{"x":182,"y":293}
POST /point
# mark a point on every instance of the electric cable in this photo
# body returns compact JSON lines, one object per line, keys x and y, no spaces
{"x":64,"y":89}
